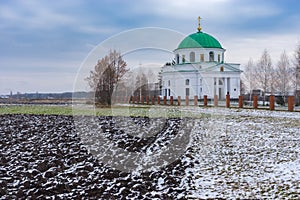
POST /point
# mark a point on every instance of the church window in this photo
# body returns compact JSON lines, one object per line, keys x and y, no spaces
{"x":202,"y":57}
{"x":177,"y":58}
{"x":183,"y":58}
{"x":187,"y":82}
{"x":221,"y":69}
{"x":192,"y":56}
{"x":211,"y":56}
{"x":219,"y":57}
{"x":187,"y":91}
{"x":169,"y":92}
{"x":169,"y":82}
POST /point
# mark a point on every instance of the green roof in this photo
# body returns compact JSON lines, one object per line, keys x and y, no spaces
{"x":199,"y":40}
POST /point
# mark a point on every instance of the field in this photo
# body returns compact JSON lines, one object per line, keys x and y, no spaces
{"x":108,"y":153}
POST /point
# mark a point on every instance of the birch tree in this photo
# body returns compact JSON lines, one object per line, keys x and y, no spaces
{"x":248,"y":77}
{"x":142,"y":85}
{"x":263,"y":73}
{"x":296,"y":69}
{"x":283,"y":75}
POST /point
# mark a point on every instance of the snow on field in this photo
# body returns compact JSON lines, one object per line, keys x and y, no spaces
{"x":245,"y":154}
{"x":226,"y":153}
{"x":241,"y":153}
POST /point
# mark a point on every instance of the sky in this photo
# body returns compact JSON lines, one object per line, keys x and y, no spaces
{"x":44,"y":43}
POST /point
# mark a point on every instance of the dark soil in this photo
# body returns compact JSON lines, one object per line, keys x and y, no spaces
{"x":42,"y":157}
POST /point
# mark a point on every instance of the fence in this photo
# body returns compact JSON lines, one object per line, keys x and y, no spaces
{"x":203,"y":102}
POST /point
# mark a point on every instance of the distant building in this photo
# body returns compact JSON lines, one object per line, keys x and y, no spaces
{"x":199,"y":69}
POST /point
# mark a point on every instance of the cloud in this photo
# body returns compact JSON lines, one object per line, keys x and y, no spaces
{"x":217,"y":10}
{"x":241,"y":49}
{"x":89,"y":29}
{"x":33,"y":15}
{"x":36,"y":81}
{"x":41,"y":65}
{"x":55,"y":37}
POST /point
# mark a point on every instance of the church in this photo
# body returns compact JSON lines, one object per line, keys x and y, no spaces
{"x":199,"y":69}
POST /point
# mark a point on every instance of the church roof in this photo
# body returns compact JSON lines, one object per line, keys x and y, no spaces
{"x":199,"y":40}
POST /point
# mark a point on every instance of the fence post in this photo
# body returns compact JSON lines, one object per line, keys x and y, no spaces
{"x":195,"y":100}
{"x":165,"y":100}
{"x":137,"y":99}
{"x":216,"y":100}
{"x":178,"y":99}
{"x":142,"y":99}
{"x":240,"y":101}
{"x":205,"y":100}
{"x":158,"y":100}
{"x":291,"y":103}
{"x":272,"y":102}
{"x":227,"y":101}
{"x":153,"y":100}
{"x":186,"y":100}
{"x":147,"y":100}
{"x":255,"y":102}
{"x":171,"y":100}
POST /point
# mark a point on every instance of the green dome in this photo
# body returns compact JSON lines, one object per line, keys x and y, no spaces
{"x":199,"y":40}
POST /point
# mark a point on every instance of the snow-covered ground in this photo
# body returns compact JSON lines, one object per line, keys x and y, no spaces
{"x":245,"y":154}
{"x":239,"y":153}
{"x":222,"y":153}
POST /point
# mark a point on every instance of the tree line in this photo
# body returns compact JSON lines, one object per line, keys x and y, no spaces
{"x":111,"y":79}
{"x":110,"y":76}
{"x":281,"y":78}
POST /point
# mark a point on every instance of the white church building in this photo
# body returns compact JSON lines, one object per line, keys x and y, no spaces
{"x":199,"y":69}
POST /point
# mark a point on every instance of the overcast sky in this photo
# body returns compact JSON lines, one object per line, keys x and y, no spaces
{"x":43,"y":43}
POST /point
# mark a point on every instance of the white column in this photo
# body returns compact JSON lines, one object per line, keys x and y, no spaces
{"x":214,"y":86}
{"x":225,"y":87}
{"x":217,"y":87}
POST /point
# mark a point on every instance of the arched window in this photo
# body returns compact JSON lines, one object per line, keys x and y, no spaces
{"x":192,"y":56}
{"x":211,"y":56}
{"x":183,"y":58}
{"x":187,"y":82}
{"x":219,"y":58}
{"x":169,"y":83}
{"x":177,"y":58}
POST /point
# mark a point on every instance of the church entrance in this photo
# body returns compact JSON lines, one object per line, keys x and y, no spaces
{"x":219,"y":89}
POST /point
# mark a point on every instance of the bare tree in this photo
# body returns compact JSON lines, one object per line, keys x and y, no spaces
{"x":129,"y":83}
{"x":151,"y":76}
{"x":142,"y":85}
{"x":283,"y":75}
{"x":264,"y":74}
{"x":296,"y":78}
{"x":106,"y":74}
{"x":248,"y":77}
